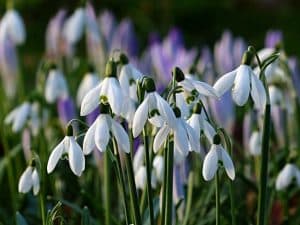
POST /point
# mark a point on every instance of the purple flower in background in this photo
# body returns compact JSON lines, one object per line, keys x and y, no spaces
{"x":90,"y":118}
{"x":205,"y":65}
{"x":239,"y":47}
{"x":223,"y":52}
{"x":53,"y":34}
{"x":228,"y":52}
{"x":223,"y":111}
{"x":108,"y":26}
{"x":170,"y":53}
{"x":8,"y":66}
{"x":66,"y":110}
{"x":273,"y":37}
{"x":125,"y":39}
{"x":95,"y":48}
{"x":295,"y":70}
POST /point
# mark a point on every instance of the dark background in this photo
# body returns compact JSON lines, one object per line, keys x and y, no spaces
{"x":202,"y":21}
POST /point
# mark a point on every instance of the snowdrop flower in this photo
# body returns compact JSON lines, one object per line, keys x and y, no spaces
{"x":29,"y":179}
{"x":141,"y":178}
{"x":18,"y":117}
{"x":158,"y":166}
{"x":102,"y":130}
{"x":74,"y":26}
{"x":128,"y":77}
{"x":189,"y":84}
{"x":255,"y":143}
{"x":215,"y":155}
{"x":13,"y":26}
{"x":56,"y":85}
{"x":185,"y":138}
{"x":243,"y":82}
{"x":276,"y":95}
{"x":286,"y":176}
{"x":152,"y":102}
{"x":89,"y":81}
{"x":138,"y":159}
{"x":68,"y":146}
{"x":108,"y":91}
{"x":199,"y":122}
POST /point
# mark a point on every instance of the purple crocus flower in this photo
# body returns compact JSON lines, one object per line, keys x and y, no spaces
{"x":205,"y":65}
{"x":95,"y":48}
{"x":66,"y":110}
{"x":239,"y":47}
{"x":8,"y":66}
{"x":223,"y":111}
{"x":171,"y":53}
{"x":108,"y":26}
{"x":125,"y":39}
{"x":273,"y":37}
{"x":53,"y":34}
{"x":90,"y":118}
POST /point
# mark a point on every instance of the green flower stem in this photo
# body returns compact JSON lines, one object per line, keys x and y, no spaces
{"x":169,"y":191}
{"x":189,"y":198}
{"x":42,"y":206}
{"x":10,"y":173}
{"x":148,"y":171}
{"x":231,"y":188}
{"x":132,"y":186}
{"x":107,"y":188}
{"x":217,"y":198}
{"x":119,"y":171}
{"x":297,"y":105}
{"x":164,"y":185}
{"x":262,"y":197}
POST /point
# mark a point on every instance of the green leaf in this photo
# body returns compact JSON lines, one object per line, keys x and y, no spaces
{"x":85,"y":219}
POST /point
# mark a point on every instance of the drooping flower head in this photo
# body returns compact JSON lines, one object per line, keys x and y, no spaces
{"x":107,"y":91}
{"x":70,"y":149}
{"x":29,"y":180}
{"x":243,"y":82}
{"x":216,"y":155}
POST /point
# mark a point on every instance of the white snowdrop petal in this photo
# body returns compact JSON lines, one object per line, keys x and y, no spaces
{"x":90,"y":100}
{"x":89,"y":139}
{"x":165,"y":110}
{"x":285,"y":177}
{"x":35,"y":182}
{"x":121,"y":136}
{"x":227,"y":163}
{"x":160,"y":137}
{"x":193,"y":121}
{"x":55,"y":156}
{"x":115,"y":95}
{"x":258,"y":92}
{"x":193,"y":139}
{"x":209,"y":131}
{"x":11,"y":116}
{"x":187,"y":84}
{"x":224,"y":83}
{"x":74,"y":26}
{"x":15,"y":26}
{"x":210,"y":164}
{"x":89,"y":82}
{"x":241,"y":88}
{"x":205,"y":89}
{"x":140,"y":178}
{"x":140,"y":117}
{"x":181,"y":139}
{"x":138,"y":159}
{"x":124,"y":79}
{"x":76,"y":157}
{"x":102,"y":133}
{"x":25,"y":182}
{"x":156,"y":121}
{"x":255,"y":143}
{"x":158,"y":165}
{"x":21,"y":117}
